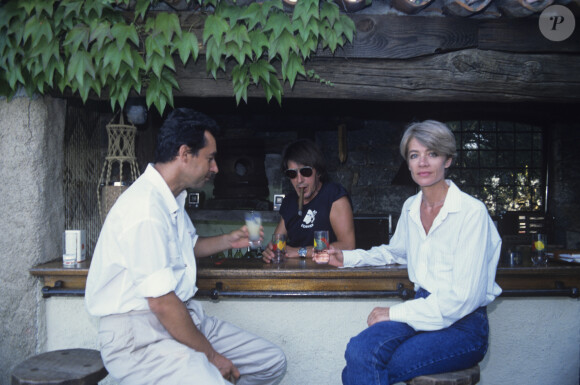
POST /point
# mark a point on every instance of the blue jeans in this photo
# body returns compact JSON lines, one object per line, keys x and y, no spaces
{"x":389,"y":352}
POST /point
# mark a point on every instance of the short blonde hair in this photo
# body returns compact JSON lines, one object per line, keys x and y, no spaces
{"x":432,"y":134}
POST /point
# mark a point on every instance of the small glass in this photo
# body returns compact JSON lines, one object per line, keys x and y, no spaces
{"x":539,"y":257}
{"x":279,"y":247}
{"x":320,"y":253}
{"x":254,"y":222}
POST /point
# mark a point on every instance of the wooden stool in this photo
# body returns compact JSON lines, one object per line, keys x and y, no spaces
{"x":60,"y":367}
{"x":461,"y":377}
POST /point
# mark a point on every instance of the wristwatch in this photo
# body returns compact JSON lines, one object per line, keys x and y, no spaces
{"x":302,"y":252}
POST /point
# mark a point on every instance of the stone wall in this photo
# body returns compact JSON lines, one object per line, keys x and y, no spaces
{"x":31,"y":219}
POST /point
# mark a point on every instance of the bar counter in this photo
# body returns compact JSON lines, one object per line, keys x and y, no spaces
{"x":303,"y":278}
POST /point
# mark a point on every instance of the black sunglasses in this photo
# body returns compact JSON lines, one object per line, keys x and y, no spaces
{"x":293,"y":173}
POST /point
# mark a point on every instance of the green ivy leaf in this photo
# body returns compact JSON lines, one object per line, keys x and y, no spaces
{"x":258,"y":41}
{"x":238,"y":35}
{"x":187,"y":46}
{"x":126,"y":55}
{"x":346,"y":27}
{"x":260,"y":70}
{"x":141,"y":7}
{"x":241,"y":90}
{"x":168,"y":24}
{"x":306,"y":11}
{"x":121,"y":33}
{"x":99,"y":32}
{"x":72,"y":9}
{"x":11,"y":10}
{"x":112,"y":58}
{"x":330,"y":12}
{"x":293,"y":68}
{"x":154,"y":45}
{"x":214,"y":27}
{"x":278,"y":23}
{"x":308,"y":46}
{"x":35,"y":29}
{"x":331,"y":40}
{"x":80,"y":64}
{"x":85,"y":88}
{"x":14,"y":75}
{"x":273,"y":89}
{"x":229,"y":12}
{"x":304,"y":31}
{"x":213,"y":54}
{"x":270,"y":7}
{"x":241,"y":54}
{"x":77,"y":37}
{"x":282,"y":46}
{"x":253,"y":15}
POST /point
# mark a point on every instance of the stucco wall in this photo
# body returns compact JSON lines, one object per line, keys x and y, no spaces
{"x":31,"y":219}
{"x":533,"y":341}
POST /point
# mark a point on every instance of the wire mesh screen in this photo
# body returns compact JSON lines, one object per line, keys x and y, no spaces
{"x":85,"y":146}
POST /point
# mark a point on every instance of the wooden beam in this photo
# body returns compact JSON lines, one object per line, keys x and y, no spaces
{"x":467,"y":75}
{"x":523,"y":35}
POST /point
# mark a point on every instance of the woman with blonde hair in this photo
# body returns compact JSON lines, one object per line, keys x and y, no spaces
{"x":451,"y":248}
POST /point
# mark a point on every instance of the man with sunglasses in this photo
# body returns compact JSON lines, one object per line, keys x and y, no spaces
{"x":326,"y":205}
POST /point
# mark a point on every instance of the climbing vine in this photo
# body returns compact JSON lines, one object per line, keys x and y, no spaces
{"x":104,"y":49}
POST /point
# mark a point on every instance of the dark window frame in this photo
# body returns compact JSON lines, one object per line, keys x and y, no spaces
{"x":507,"y":176}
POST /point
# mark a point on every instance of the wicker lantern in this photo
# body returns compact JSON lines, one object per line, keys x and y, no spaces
{"x":120,"y":157}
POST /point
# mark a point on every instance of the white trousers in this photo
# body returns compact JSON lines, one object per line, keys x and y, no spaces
{"x":137,"y":350}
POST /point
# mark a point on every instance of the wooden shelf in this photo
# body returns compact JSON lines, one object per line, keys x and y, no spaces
{"x":305,"y":276}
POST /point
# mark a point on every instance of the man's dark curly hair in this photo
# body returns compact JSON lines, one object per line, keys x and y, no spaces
{"x":183,"y":126}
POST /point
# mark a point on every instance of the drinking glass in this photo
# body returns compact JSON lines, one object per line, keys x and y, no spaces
{"x":539,"y":257}
{"x":279,"y":247}
{"x":320,"y":253}
{"x":253,"y":222}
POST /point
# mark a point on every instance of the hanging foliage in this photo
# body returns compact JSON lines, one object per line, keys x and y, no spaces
{"x":90,"y":48}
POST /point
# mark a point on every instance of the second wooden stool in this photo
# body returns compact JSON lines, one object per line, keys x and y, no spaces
{"x":461,"y":377}
{"x":60,"y":367}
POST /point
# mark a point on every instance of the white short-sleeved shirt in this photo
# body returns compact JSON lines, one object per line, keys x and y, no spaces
{"x":456,"y":262}
{"x":145,"y":249}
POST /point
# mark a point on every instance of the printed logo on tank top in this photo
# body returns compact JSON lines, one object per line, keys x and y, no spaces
{"x":308,"y":220}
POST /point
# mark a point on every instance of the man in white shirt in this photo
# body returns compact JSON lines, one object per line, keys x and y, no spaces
{"x":143,"y":275}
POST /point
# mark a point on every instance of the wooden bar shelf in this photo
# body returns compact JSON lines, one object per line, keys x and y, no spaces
{"x":304,"y":278}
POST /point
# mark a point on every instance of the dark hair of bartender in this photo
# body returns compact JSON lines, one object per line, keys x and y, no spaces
{"x":305,"y":152}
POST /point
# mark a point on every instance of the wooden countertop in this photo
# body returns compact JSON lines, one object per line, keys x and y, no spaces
{"x":249,"y":277}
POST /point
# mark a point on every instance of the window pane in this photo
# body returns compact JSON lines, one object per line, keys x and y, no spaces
{"x":505,"y":141}
{"x":505,"y":158}
{"x":488,"y":158}
{"x":523,"y":159}
{"x":501,"y":163}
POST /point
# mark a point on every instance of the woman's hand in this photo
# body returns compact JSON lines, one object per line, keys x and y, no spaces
{"x":268,"y":253}
{"x":378,"y":314}
{"x":336,"y":257}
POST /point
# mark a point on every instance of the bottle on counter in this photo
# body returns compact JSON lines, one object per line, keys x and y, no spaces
{"x":238,"y":254}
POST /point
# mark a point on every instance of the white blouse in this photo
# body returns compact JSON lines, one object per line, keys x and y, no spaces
{"x":456,"y":262}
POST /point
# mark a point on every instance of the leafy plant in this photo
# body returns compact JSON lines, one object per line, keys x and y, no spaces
{"x":94,"y":49}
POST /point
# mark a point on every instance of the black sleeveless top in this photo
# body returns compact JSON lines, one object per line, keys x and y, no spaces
{"x":315,"y":214}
